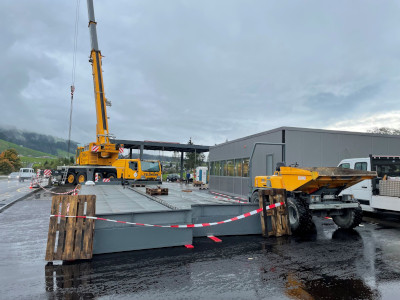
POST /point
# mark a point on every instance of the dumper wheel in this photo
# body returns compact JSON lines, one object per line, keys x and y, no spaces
{"x":350,"y":218}
{"x":300,"y":218}
{"x":254,"y":198}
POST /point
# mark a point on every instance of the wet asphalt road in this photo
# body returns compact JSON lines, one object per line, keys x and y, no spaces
{"x":12,"y":189}
{"x":328,"y":264}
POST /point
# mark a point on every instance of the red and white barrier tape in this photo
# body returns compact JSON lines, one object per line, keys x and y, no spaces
{"x":251,"y":213}
{"x":223,"y":195}
{"x":72,"y":192}
{"x":229,"y":199}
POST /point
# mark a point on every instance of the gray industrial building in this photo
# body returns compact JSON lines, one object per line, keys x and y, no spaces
{"x":229,"y":162}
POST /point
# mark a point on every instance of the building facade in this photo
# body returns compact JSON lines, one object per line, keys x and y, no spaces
{"x":230,"y":166}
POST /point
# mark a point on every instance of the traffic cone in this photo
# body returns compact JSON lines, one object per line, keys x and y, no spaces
{"x":30,"y":185}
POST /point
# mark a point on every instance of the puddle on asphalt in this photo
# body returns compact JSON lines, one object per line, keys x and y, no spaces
{"x":328,"y":265}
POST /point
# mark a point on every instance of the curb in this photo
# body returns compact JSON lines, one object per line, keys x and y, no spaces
{"x":3,"y":208}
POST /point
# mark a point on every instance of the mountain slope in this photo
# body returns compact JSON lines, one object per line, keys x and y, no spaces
{"x":4,"y":145}
{"x":36,"y":141}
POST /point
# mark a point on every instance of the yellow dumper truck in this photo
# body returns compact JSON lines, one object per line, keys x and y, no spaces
{"x":316,"y":191}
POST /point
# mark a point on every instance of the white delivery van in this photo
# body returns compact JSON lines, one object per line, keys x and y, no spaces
{"x":26,"y":173}
{"x":381,"y":193}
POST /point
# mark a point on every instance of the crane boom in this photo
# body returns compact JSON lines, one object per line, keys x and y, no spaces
{"x":101,"y":157}
{"x":102,"y":131}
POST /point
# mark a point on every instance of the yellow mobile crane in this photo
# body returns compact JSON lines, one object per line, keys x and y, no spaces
{"x":101,"y":157}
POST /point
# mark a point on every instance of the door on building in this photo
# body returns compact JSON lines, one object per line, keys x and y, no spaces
{"x":270,"y":164}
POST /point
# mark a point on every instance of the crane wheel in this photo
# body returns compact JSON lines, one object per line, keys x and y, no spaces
{"x":81,"y":178}
{"x":300,"y":218}
{"x":71,"y":177}
{"x":111,"y":175}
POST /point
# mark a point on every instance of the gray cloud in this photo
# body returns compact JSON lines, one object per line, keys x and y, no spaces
{"x":210,"y":70}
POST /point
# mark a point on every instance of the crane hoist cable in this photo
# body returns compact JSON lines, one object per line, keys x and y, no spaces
{"x":76,"y":31}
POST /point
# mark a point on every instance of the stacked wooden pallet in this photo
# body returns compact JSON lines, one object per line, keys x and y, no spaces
{"x":157,"y":191}
{"x":138,"y":185}
{"x":71,"y":238}
{"x":274,"y":222}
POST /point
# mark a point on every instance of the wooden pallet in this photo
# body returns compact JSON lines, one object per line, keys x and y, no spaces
{"x":197,"y":183}
{"x":157,"y":191}
{"x":71,"y":238}
{"x":274,"y":222}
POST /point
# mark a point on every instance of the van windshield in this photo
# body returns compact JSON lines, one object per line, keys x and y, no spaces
{"x":150,"y":166}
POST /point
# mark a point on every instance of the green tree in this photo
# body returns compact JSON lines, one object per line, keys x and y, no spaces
{"x":6,"y":166}
{"x":192,"y":159}
{"x":11,"y":156}
{"x":385,"y":130}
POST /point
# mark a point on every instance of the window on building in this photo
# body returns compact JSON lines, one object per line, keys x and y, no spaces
{"x":245,"y":167}
{"x":360,"y":166}
{"x":223,"y":168}
{"x":344,"y":166}
{"x":217,"y":170}
{"x":238,"y":167}
{"x":229,"y":168}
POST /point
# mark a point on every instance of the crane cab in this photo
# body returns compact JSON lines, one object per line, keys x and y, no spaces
{"x":136,"y":169}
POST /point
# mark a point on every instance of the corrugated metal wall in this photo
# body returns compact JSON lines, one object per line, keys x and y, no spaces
{"x":307,"y":147}
{"x":321,"y":148}
{"x":242,"y":148}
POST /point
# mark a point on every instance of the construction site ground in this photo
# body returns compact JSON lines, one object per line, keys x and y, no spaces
{"x":326,"y":264}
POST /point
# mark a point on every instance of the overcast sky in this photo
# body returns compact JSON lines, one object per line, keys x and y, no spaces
{"x":210,"y":70}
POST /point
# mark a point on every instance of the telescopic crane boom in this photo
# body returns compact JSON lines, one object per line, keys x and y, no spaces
{"x":95,"y":59}
{"x":101,"y":152}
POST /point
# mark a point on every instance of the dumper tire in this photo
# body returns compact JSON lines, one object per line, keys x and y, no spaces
{"x":300,"y":218}
{"x":254,"y":197}
{"x":351,"y":218}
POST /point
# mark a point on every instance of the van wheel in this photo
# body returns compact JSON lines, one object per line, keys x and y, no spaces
{"x":254,"y":197}
{"x":81,"y":178}
{"x":349,"y":219}
{"x":71,"y":177}
{"x":300,"y":218}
